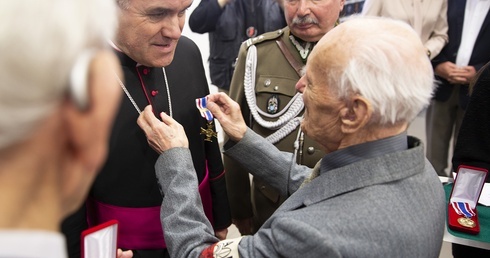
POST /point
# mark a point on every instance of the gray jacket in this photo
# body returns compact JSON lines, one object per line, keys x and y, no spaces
{"x":389,"y":206}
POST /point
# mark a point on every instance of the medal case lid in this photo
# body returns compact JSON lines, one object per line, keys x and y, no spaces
{"x":100,"y":241}
{"x":467,"y":188}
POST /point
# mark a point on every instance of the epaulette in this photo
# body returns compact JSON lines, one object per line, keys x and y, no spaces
{"x":264,"y":37}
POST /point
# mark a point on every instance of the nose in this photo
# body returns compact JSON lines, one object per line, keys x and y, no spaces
{"x":300,"y":85}
{"x":303,"y":8}
{"x":172,"y":27}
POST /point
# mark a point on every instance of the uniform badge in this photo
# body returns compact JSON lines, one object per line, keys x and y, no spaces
{"x":273,"y":104}
{"x":251,"y":32}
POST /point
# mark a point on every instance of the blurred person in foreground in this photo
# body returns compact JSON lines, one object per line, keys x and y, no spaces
{"x":267,"y":69}
{"x":374,"y":194}
{"x":162,"y":68}
{"x":57,"y":85}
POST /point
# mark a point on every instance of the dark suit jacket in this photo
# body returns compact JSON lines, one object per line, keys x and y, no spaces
{"x":479,"y":57}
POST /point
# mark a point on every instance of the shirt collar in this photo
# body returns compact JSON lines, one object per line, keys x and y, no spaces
{"x":363,"y":151}
{"x":32,"y":243}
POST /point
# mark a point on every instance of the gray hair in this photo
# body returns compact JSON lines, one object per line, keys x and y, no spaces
{"x":39,"y":42}
{"x":388,"y":65}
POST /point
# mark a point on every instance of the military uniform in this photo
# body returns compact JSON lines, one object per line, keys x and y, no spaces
{"x":273,"y":90}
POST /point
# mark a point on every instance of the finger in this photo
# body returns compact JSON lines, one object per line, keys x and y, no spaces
{"x":166,"y":119}
{"x":215,"y":109}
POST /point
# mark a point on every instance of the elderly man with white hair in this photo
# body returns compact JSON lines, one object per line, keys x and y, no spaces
{"x":57,"y":85}
{"x":373,"y":194}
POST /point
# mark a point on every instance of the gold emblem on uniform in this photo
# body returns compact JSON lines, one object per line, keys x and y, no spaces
{"x":466,"y":222}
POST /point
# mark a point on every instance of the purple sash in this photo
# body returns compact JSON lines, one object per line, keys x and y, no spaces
{"x":140,"y":228}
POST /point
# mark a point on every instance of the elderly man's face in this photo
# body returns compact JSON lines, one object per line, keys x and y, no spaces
{"x":321,"y":119}
{"x":311,"y":19}
{"x":150,"y":29}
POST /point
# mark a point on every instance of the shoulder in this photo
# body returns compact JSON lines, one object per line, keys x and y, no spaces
{"x":266,"y":37}
{"x":186,"y":46}
{"x":185,"y":42}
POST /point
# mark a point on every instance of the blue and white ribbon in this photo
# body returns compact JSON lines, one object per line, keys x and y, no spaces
{"x":201,"y":104}
{"x":463,"y":208}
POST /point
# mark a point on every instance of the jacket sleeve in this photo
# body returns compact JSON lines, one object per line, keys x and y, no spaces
{"x":439,"y":37}
{"x":186,"y":228}
{"x":268,"y":163}
{"x":237,"y":177}
{"x":205,"y":17}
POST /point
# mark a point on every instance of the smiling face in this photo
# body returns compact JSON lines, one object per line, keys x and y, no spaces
{"x":150,"y":29}
{"x":311,"y":19}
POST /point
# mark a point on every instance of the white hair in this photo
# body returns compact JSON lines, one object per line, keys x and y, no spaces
{"x":387,"y":66}
{"x":39,"y":43}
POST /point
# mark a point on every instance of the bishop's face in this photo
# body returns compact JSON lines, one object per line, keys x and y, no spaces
{"x":150,"y":29}
{"x":309,"y":20}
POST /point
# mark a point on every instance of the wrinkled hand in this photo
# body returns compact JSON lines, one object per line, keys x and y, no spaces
{"x":228,"y":114}
{"x":124,"y":254}
{"x":462,"y":75}
{"x":243,"y":225}
{"x":455,"y":74}
{"x":162,"y":135}
{"x":221,"y":234}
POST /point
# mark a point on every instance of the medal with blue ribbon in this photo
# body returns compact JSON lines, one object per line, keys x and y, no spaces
{"x":464,"y":209}
{"x":209,"y":132}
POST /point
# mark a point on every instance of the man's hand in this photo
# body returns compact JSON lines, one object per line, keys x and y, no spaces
{"x":445,"y":69}
{"x":162,"y":135}
{"x":462,"y":75}
{"x":221,"y":234}
{"x":244,"y":225}
{"x":228,"y":114}
{"x":454,"y":74}
{"x":124,"y":254}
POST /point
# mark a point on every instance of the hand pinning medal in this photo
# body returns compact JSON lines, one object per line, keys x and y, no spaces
{"x":209,"y":131}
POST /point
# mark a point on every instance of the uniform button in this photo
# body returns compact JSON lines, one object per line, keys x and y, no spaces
{"x":267,"y":82}
{"x":154,"y":93}
{"x":146,"y":71}
{"x":276,"y":88}
{"x":311,"y":150}
{"x":262,"y":187}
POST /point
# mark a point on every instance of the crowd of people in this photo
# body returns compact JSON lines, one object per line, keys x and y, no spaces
{"x":111,"y":118}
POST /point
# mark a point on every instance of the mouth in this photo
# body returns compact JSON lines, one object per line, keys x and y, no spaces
{"x":165,"y":47}
{"x":304,"y":26}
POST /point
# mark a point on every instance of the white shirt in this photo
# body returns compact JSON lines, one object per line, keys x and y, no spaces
{"x":475,"y":13}
{"x":32,"y":243}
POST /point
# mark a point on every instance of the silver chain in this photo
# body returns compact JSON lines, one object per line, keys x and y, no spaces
{"x":134,"y":103}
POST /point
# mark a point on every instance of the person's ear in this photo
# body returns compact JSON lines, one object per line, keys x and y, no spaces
{"x":90,"y":109}
{"x":79,"y":79}
{"x":355,"y":115}
{"x":88,"y":113}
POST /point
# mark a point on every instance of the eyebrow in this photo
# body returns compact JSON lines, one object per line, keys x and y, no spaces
{"x":303,"y":71}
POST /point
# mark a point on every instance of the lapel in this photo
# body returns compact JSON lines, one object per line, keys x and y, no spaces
{"x":484,"y":25}
{"x":383,"y":169}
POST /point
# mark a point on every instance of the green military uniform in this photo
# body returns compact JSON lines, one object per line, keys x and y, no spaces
{"x":274,"y":88}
